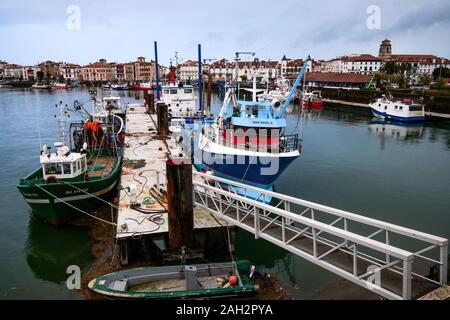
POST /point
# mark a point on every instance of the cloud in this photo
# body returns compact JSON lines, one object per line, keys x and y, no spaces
{"x":35,"y":30}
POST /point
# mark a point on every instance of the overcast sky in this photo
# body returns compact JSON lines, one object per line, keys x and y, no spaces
{"x":119,"y":31}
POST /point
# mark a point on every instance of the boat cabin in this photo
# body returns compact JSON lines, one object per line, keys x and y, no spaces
{"x":111,"y":103}
{"x":255,"y":127}
{"x":63,"y":164}
{"x":180,"y":100}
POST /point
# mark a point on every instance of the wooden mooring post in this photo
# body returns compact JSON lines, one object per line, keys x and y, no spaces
{"x":163,"y":121}
{"x":180,"y":203}
{"x":151,"y":103}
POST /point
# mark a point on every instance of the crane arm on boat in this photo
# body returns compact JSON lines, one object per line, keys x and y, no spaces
{"x":294,"y":88}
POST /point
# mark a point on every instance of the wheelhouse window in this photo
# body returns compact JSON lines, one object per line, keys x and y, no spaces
{"x":166,"y":91}
{"x":415,"y":108}
{"x":173,"y":91}
{"x":53,"y":168}
{"x":67,"y":169}
{"x":188,"y":90}
{"x":83,"y":165}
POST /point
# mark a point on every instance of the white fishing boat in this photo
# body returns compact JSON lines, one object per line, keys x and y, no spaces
{"x":38,"y":86}
{"x":406,"y":110}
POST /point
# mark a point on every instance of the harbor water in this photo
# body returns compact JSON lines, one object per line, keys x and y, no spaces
{"x":395,"y":173}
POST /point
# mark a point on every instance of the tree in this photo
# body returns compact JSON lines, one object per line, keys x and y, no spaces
{"x":441,"y":72}
{"x":440,"y":83}
{"x":425,"y":79}
{"x":390,"y":67}
{"x":40,"y":75}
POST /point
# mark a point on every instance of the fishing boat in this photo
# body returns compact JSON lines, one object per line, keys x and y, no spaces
{"x":59,"y":86}
{"x":247,"y":144}
{"x":115,"y":87}
{"x":38,"y":86}
{"x":142,"y":86}
{"x":214,"y":280}
{"x":406,"y":110}
{"x":280,"y":93}
{"x":72,"y":181}
{"x":119,"y":87}
{"x":179,"y":99}
{"x":312,"y":99}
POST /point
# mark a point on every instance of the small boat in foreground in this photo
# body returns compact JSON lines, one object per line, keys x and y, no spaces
{"x":405,"y":110}
{"x":215,"y":280}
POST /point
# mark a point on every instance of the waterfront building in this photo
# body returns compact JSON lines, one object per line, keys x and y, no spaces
{"x":100,"y":71}
{"x":188,"y":71}
{"x":30,"y":73}
{"x":356,"y":63}
{"x":125,"y":72}
{"x":144,"y":71}
{"x":336,"y":80}
{"x":70,"y":71}
{"x":290,"y":67}
{"x":419,"y":64}
{"x":266,"y":70}
{"x":50,"y":69}
{"x":2,"y":68}
{"x":13,"y":71}
{"x":363,"y":64}
{"x":221,"y":70}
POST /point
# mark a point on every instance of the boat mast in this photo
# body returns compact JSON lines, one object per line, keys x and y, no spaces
{"x":62,"y":122}
{"x":294,"y":88}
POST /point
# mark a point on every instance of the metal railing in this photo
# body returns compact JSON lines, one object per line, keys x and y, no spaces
{"x":366,"y":251}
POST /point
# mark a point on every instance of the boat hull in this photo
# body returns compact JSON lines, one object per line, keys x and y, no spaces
{"x":257,"y":171}
{"x":315,"y":104}
{"x":62,"y":202}
{"x":122,"y":284}
{"x":387,"y":116}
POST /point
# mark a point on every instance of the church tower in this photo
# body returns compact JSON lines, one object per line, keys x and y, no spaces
{"x":385,"y":50}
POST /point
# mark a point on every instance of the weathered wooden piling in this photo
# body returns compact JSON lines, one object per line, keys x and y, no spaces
{"x":146,"y":102}
{"x":151,"y":104}
{"x":180,"y":203}
{"x":163,"y":121}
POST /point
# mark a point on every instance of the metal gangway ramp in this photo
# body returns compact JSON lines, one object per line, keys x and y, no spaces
{"x":392,"y":261}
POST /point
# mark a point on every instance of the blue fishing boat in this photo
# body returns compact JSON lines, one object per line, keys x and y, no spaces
{"x":247,"y":142}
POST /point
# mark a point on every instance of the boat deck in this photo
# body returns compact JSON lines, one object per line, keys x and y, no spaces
{"x":144,"y":157}
{"x":105,"y":163}
{"x":207,"y":282}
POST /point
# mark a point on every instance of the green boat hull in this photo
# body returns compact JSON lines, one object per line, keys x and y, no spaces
{"x":62,"y":202}
{"x":104,"y":285}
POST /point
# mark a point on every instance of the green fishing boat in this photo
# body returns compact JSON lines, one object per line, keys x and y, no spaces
{"x":214,"y":280}
{"x":71,"y":182}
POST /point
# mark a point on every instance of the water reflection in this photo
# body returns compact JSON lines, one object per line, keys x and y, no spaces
{"x":411,"y":132}
{"x":49,"y":250}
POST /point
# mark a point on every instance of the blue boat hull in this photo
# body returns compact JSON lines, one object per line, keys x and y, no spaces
{"x":396,"y":118}
{"x":260,"y":172}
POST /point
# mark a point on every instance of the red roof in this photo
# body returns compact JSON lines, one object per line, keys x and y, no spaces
{"x":422,"y":58}
{"x":338,"y":77}
{"x":364,"y":57}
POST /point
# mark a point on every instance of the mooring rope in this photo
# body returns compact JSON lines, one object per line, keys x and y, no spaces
{"x":92,"y":195}
{"x":78,"y":209}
